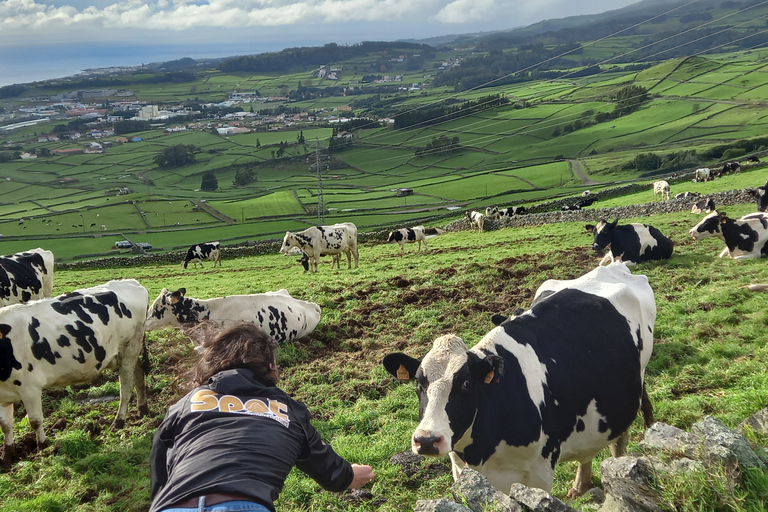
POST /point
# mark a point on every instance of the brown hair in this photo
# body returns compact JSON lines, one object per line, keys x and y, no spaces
{"x":242,"y":345}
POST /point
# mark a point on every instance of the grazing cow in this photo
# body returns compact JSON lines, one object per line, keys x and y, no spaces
{"x":661,"y":191}
{"x":579,"y":205}
{"x":703,"y":205}
{"x":686,"y":195}
{"x":476,"y":220}
{"x":276,"y":313}
{"x":730,"y":167}
{"x":630,"y":243}
{"x":702,"y":174}
{"x":753,"y":158}
{"x":744,"y":238}
{"x":319,"y":240}
{"x":69,"y":339}
{"x":210,"y":251}
{"x":304,"y":260}
{"x":492,"y":212}
{"x":556,"y":383}
{"x":408,"y":235}
{"x":26,"y":276}
{"x":760,"y":195}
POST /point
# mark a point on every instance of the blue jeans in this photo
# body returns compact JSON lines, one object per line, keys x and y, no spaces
{"x":226,"y":506}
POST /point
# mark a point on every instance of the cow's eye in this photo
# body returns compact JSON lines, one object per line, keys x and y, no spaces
{"x":467,"y":384}
{"x":419,"y":389}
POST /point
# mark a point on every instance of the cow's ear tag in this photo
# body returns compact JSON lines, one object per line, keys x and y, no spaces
{"x":489,"y":377}
{"x":403,"y":374}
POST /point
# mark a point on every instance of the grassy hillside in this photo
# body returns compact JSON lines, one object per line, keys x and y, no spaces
{"x":709,"y":358}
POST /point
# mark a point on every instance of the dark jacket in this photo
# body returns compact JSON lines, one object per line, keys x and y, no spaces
{"x":239,"y":434}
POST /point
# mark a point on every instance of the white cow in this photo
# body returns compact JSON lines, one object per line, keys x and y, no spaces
{"x":702,"y":174}
{"x":277,"y":313}
{"x":26,"y":276}
{"x":476,"y":220}
{"x":68,"y":340}
{"x":319,"y":240}
{"x":661,"y":191}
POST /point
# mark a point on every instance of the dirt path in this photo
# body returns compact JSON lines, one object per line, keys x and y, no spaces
{"x":576,"y":167}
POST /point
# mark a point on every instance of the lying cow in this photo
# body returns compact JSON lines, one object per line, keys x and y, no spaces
{"x":408,"y":235}
{"x":686,"y":195}
{"x":703,"y":205}
{"x":68,"y":340}
{"x":277,"y":313}
{"x":556,"y":383}
{"x":210,"y":251}
{"x":630,"y":243}
{"x":744,"y":238}
{"x":26,"y":276}
{"x":319,"y":240}
{"x":730,"y":167}
{"x":661,"y":191}
{"x":476,"y":220}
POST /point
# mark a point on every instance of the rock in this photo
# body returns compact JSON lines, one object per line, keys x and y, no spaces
{"x":473,"y":489}
{"x":441,"y":505}
{"x":537,"y":500}
{"x":757,"y":422}
{"x":718,"y":437}
{"x":627,"y":483}
{"x":663,"y":437}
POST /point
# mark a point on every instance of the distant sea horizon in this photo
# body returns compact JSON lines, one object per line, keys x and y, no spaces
{"x":23,"y":65}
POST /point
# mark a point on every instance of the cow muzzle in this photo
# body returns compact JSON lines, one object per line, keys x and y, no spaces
{"x":428,"y":443}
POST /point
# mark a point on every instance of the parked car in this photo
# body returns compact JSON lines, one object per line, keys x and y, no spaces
{"x":123,"y":244}
{"x":143,"y":245}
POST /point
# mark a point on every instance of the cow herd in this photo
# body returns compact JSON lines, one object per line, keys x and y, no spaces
{"x":557,"y":382}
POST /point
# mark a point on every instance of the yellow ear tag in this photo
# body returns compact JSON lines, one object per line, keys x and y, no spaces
{"x":403,"y":374}
{"x":489,"y":377}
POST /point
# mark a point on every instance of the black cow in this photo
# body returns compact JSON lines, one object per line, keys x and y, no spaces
{"x":730,"y":167}
{"x":558,"y":382}
{"x":208,"y":251}
{"x":630,"y":243}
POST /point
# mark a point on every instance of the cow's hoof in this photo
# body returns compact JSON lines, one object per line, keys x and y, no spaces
{"x":118,"y":424}
{"x":143,"y":410}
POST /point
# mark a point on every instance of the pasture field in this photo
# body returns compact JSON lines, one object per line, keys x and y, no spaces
{"x":709,"y":359}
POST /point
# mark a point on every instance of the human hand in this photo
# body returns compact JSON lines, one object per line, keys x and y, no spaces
{"x":363,"y":475}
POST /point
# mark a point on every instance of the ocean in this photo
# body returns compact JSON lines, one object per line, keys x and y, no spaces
{"x":32,"y":63}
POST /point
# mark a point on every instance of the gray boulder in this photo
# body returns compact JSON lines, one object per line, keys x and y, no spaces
{"x":441,"y":505}
{"x":537,"y":500}
{"x":627,"y":482}
{"x":474,"y":489}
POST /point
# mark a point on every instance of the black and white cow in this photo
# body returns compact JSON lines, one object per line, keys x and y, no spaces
{"x":476,"y":220}
{"x":26,"y":276}
{"x":558,"y":382}
{"x":744,"y":238}
{"x":703,"y":205}
{"x":630,"y":243}
{"x":70,"y":339}
{"x":730,"y":167}
{"x":210,"y":251}
{"x":686,"y":195}
{"x":408,"y":235}
{"x":276,"y":313}
{"x":760,"y":194}
{"x":319,"y":240}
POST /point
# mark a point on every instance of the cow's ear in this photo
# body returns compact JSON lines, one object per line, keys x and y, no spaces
{"x":488,"y":369}
{"x":613,"y":224}
{"x":401,"y":366}
{"x":182,"y":291}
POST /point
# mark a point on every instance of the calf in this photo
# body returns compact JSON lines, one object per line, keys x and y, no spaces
{"x":319,"y":240}
{"x":760,"y":196}
{"x":276,"y":313}
{"x":210,"y":251}
{"x":476,"y":220}
{"x":703,"y":205}
{"x":702,"y":174}
{"x":555,"y":383}
{"x":304,"y":260}
{"x":408,"y":235}
{"x":634,"y":243}
{"x":744,"y":238}
{"x":26,"y":276}
{"x":68,"y":340}
{"x":661,"y":191}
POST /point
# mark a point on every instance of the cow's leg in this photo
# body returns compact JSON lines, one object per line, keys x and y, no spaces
{"x":6,"y":423}
{"x":355,"y":254}
{"x":141,"y":390}
{"x":33,"y":402}
{"x":313,"y":263}
{"x":619,"y":447}
{"x":127,"y":377}
{"x":583,"y":481}
{"x":457,"y":465}
{"x":724,"y":252}
{"x":608,"y":258}
{"x":425,"y":244}
{"x":349,"y":259}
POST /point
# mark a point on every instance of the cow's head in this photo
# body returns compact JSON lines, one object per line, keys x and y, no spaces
{"x":603,"y":234}
{"x":760,"y":195}
{"x":159,"y":314}
{"x":449,"y":381}
{"x":709,"y":226}
{"x":288,"y":241}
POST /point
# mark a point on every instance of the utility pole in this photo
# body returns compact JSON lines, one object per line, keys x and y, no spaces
{"x":320,"y":199}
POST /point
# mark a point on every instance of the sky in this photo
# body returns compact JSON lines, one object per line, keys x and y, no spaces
{"x":39,"y":37}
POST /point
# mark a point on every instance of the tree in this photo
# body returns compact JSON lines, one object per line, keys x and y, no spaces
{"x":300,"y":137}
{"x":244,"y":177}
{"x":629,"y":99}
{"x":209,"y":183}
{"x":176,"y":156}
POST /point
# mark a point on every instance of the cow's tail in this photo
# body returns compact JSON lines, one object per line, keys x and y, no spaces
{"x":433,"y":231}
{"x":146,"y":366}
{"x":646,"y":408}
